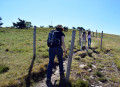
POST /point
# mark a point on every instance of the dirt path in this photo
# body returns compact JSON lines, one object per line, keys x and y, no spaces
{"x":55,"y":77}
{"x":100,"y":64}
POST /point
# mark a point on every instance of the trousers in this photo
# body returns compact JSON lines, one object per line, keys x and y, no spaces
{"x":53,"y":51}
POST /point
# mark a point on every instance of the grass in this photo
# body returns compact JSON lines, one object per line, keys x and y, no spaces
{"x":16,"y":52}
{"x":3,"y":69}
{"x":79,"y":83}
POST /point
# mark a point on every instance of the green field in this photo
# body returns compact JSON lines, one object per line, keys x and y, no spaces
{"x":16,"y":52}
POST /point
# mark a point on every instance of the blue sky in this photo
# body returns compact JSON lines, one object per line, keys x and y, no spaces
{"x":101,"y":15}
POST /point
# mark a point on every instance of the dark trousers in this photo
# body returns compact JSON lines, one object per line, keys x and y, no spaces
{"x":52,"y":52}
{"x":89,"y":42}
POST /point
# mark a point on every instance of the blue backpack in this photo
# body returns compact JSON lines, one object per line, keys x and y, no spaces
{"x":53,"y":40}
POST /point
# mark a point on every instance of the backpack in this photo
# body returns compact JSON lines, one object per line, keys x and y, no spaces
{"x":52,"y":39}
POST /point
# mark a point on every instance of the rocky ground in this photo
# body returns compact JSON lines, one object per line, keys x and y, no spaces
{"x":95,"y":67}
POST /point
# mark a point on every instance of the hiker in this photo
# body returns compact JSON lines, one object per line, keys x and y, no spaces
{"x":56,"y":49}
{"x":83,"y":40}
{"x":89,"y":39}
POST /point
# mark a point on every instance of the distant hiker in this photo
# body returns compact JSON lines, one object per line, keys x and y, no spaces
{"x":54,"y":42}
{"x":83,"y":40}
{"x":89,"y":39}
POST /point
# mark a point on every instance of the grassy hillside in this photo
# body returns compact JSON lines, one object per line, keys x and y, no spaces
{"x":16,"y":52}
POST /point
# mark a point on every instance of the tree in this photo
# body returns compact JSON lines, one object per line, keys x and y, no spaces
{"x":22,"y":24}
{"x":80,"y":28}
{"x":1,"y":23}
{"x":28,"y":24}
{"x":73,"y":28}
{"x":41,"y":26}
{"x":50,"y":26}
{"x":65,"y":29}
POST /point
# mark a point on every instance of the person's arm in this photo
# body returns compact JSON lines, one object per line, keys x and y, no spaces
{"x":63,"y":44}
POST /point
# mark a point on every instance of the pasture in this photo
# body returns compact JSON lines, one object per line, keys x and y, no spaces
{"x":16,"y":52}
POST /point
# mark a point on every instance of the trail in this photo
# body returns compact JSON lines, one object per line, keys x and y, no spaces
{"x":100,"y":62}
{"x":55,"y":77}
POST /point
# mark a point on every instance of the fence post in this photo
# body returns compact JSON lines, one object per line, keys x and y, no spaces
{"x":80,"y":37}
{"x":93,"y":33}
{"x":34,"y":55}
{"x":70,"y":56}
{"x":101,"y":40}
{"x":34,"y":41}
{"x":96,"y":33}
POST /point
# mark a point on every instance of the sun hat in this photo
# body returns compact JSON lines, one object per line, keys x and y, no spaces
{"x":59,"y":27}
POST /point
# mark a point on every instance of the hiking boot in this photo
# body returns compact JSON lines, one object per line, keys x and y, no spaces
{"x":49,"y":83}
{"x":62,"y":78}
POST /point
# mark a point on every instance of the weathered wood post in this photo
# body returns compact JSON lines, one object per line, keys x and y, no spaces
{"x":96,"y":33}
{"x":101,"y":41}
{"x":34,"y":42}
{"x":70,"y":55}
{"x":93,"y":33}
{"x":80,"y":32}
{"x":34,"y":55}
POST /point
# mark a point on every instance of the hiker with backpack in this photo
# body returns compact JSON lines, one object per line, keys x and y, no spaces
{"x":83,"y":40}
{"x":89,"y":39}
{"x":54,"y":42}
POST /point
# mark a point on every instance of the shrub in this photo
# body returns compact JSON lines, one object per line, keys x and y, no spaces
{"x":99,"y":74}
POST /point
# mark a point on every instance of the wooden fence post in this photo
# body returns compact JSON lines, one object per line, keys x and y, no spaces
{"x":34,"y":55}
{"x":70,"y":55}
{"x":101,"y":40}
{"x":34,"y":41}
{"x":93,"y":33}
{"x":96,"y":33}
{"x":80,"y":36}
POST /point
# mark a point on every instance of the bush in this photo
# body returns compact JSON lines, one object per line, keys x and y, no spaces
{"x":99,"y":74}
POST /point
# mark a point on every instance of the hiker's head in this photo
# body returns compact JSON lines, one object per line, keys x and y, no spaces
{"x":89,"y":32}
{"x":84,"y":33}
{"x":59,"y":28}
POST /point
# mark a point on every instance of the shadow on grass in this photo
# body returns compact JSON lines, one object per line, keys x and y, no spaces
{"x":37,"y":76}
